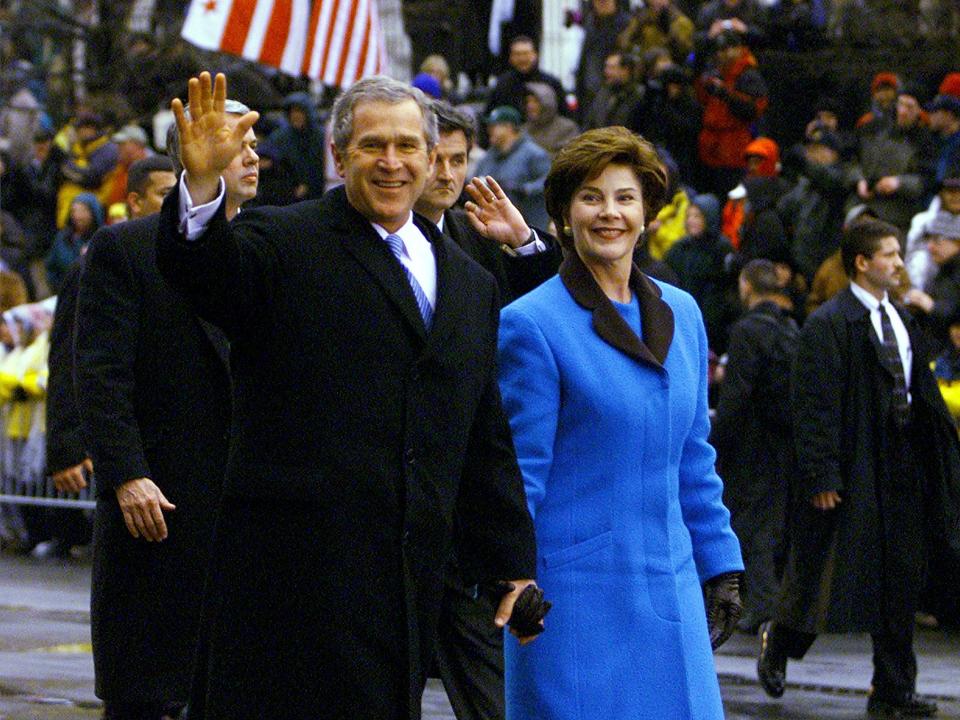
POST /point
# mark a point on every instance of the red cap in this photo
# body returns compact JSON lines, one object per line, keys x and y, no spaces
{"x":769,"y":151}
{"x":950,"y":85}
{"x":885,"y":79}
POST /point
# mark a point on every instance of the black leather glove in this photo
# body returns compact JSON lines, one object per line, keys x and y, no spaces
{"x":721,"y":595}
{"x":528,"y":611}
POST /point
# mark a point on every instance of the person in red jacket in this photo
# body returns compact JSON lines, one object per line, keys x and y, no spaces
{"x":734,"y":96}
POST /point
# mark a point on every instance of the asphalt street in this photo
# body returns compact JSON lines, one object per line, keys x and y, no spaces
{"x":46,"y":669}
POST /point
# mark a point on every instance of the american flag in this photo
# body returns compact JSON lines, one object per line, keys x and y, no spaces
{"x":335,"y":41}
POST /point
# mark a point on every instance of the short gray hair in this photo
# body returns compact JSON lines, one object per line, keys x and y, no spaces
{"x":380,"y":88}
{"x":231,"y":107}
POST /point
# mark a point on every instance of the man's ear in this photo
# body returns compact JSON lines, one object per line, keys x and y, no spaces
{"x":133,"y":202}
{"x":860,"y":263}
{"x":337,"y":160}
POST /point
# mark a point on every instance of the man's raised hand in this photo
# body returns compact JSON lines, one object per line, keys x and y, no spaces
{"x":493,"y":215}
{"x":208,"y":143}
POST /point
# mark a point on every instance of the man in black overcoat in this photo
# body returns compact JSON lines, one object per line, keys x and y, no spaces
{"x":753,"y":438}
{"x":470,"y":647}
{"x":367,"y":417}
{"x":153,"y":390}
{"x":866,"y":407}
{"x":68,"y":461}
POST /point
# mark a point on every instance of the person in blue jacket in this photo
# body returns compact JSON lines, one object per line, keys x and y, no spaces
{"x":603,"y":373}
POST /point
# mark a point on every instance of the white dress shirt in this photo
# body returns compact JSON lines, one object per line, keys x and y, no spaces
{"x":417,"y":256}
{"x":899,"y":329}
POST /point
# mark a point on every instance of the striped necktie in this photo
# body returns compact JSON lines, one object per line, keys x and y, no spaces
{"x":891,"y":356}
{"x":395,"y":244}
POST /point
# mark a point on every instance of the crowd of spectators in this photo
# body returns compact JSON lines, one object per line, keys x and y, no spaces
{"x":685,"y":75}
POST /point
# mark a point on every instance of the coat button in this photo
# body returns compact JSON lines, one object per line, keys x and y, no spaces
{"x":410,"y":456}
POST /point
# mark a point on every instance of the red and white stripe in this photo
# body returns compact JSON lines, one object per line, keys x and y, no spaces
{"x":344,"y":42}
{"x":271,"y":32}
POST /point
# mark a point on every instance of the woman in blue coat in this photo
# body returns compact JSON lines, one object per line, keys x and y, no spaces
{"x":604,"y":378}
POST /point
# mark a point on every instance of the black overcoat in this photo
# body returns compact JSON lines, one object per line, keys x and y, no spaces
{"x":856,"y":568}
{"x":65,"y":447}
{"x":358,"y":437}
{"x":154,"y":398}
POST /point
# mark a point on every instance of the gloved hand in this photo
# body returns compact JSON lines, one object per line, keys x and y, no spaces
{"x":721,"y":595}
{"x":528,"y":611}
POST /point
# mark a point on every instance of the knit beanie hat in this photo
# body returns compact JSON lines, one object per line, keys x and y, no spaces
{"x":710,"y":207}
{"x":769,"y":151}
{"x":944,"y":224}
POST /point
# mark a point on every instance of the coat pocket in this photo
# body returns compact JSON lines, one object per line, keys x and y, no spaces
{"x":578,"y":551}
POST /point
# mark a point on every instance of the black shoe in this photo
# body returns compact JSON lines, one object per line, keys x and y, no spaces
{"x":910,"y":705}
{"x":771,"y":666}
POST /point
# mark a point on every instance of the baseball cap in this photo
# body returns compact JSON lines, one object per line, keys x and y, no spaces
{"x":505,"y":114}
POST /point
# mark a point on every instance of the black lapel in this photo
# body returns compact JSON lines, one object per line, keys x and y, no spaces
{"x":218,"y":339}
{"x":656,"y":315}
{"x":445,"y":311}
{"x":366,"y":246}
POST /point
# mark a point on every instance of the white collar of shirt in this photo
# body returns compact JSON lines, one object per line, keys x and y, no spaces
{"x":417,"y":256}
{"x":443,"y":219}
{"x":896,"y":322}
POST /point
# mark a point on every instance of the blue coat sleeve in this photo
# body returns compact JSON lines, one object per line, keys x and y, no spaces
{"x":530,"y":385}
{"x":716,"y":549}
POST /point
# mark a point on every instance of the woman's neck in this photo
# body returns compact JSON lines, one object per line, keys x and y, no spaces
{"x":613,"y":278}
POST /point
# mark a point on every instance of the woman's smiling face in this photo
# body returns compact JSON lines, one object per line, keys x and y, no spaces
{"x":606,"y":216}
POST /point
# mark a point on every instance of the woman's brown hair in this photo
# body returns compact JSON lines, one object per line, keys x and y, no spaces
{"x":585,"y":158}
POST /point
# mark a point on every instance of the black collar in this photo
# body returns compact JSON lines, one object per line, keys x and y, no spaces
{"x":657,"y":317}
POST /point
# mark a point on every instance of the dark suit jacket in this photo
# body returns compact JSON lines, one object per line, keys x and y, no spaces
{"x":846,"y":441}
{"x":154,"y":397}
{"x":515,"y":276}
{"x":357,"y":437}
{"x":64,"y":444}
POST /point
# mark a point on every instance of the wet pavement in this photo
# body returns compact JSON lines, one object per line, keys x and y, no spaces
{"x":46,"y":669}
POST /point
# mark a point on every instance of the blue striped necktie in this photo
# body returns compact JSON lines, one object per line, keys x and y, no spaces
{"x":426,"y":310}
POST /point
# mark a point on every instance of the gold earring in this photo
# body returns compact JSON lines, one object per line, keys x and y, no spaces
{"x":643,"y":229}
{"x":567,"y":230}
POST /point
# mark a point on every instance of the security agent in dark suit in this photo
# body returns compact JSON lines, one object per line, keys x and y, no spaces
{"x":870,"y":481}
{"x":491,"y":230}
{"x":68,"y":461}
{"x":367,"y":416}
{"x":494,"y":233}
{"x":153,"y":390}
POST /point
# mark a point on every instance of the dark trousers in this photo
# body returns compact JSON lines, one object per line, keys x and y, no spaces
{"x":470,"y":654}
{"x":142,"y":711}
{"x":894,"y":662}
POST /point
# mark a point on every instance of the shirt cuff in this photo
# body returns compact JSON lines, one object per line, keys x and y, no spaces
{"x":533,"y":246}
{"x":194,"y":220}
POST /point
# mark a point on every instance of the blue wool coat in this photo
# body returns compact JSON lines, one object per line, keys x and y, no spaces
{"x":611,"y":434}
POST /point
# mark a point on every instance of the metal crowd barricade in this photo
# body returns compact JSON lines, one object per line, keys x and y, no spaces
{"x":45,"y":494}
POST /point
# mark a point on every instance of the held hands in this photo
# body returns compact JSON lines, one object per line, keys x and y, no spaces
{"x":721,"y":595}
{"x":207,"y":141}
{"x":493,"y":215}
{"x":523,"y":608}
{"x":142,"y":505}
{"x":72,"y":479}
